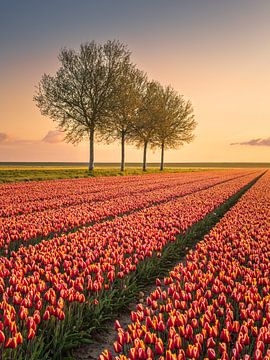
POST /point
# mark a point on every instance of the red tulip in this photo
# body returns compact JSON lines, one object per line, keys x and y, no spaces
{"x":211,"y":354}
{"x":117,"y":347}
{"x":177,"y":341}
{"x":31,"y":334}
{"x":225,"y":336}
{"x":211,"y":343}
{"x":159,"y":348}
{"x":106,"y":355}
{"x":117,"y":325}
{"x":19,"y":338}
{"x":189,"y":331}
{"x":2,"y":337}
{"x":194,"y":323}
{"x":141,"y":354}
{"x":133,"y":354}
{"x":148,"y":338}
{"x":149,"y":353}
{"x":46,"y":315}
{"x":11,"y":343}
{"x":258,"y":355}
{"x":161,"y":326}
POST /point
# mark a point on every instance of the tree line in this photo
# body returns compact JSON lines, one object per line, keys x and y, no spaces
{"x":99,"y":94}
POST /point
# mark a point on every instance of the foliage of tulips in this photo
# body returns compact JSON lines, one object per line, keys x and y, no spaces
{"x":40,"y":284}
{"x":116,"y":200}
{"x":216,"y":305}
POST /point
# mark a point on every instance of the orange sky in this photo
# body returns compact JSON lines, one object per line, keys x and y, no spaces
{"x":219,"y":58}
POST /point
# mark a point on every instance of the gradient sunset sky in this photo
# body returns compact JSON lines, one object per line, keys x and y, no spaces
{"x":214,"y":52}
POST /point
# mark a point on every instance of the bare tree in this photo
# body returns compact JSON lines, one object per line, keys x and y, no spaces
{"x":145,"y":124}
{"x":175,"y":121}
{"x":80,"y":95}
{"x":128,"y":98}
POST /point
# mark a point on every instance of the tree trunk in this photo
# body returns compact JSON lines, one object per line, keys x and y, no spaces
{"x":162,"y":157}
{"x":123,"y":151}
{"x":144,"y":155}
{"x":91,"y":154}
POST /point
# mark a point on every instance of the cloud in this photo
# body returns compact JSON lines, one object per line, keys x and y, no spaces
{"x":53,"y":137}
{"x":254,"y":142}
{"x":5,"y":138}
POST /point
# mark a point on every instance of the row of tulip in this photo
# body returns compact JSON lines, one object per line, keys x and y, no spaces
{"x":61,"y":193}
{"x":37,"y":191}
{"x":22,"y":228}
{"x":39,"y":284}
{"x":216,"y":305}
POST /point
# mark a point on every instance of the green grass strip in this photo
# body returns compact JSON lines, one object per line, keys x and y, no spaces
{"x":10,"y":175}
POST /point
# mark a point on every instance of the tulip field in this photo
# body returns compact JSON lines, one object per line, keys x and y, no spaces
{"x":67,"y":247}
{"x":54,"y":211}
{"x":215,"y":304}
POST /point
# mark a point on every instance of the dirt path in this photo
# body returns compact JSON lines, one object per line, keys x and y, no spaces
{"x":106,"y":339}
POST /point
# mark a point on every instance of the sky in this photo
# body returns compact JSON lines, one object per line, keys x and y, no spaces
{"x":215,"y":53}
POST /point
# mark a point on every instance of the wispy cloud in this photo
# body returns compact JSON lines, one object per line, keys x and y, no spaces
{"x":254,"y":142}
{"x":4,"y":138}
{"x":53,"y":137}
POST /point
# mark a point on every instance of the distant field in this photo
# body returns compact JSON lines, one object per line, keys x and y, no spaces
{"x":12,"y":172}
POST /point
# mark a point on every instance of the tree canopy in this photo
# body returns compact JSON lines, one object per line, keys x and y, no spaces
{"x":175,"y":121}
{"x":147,"y":119}
{"x":97,"y":90}
{"x":81,"y":93}
{"x":122,"y":117}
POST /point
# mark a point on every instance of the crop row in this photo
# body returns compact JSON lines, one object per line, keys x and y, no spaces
{"x":86,"y":192}
{"x":217,"y":304}
{"x":40,"y":284}
{"x":23,"y":228}
{"x":52,"y":189}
